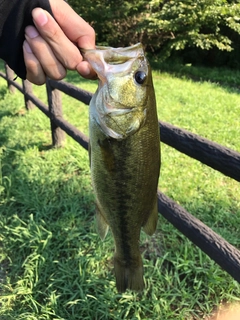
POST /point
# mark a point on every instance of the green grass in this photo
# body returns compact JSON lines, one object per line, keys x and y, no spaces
{"x":52,"y":263}
{"x":223,"y":76}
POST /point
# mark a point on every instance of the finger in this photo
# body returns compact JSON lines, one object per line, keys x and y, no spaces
{"x":35,"y":73}
{"x":86,"y":71}
{"x":75,"y":28}
{"x":44,"y":54}
{"x":63,"y":48}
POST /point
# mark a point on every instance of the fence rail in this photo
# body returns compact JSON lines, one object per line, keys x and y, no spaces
{"x":210,"y":153}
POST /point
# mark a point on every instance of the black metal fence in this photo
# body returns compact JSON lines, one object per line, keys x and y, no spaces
{"x":210,"y":153}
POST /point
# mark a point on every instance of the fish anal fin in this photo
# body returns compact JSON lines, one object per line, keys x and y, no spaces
{"x":151,"y":224}
{"x":102,"y":226}
{"x":128,"y":276}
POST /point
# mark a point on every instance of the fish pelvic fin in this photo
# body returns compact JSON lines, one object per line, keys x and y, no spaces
{"x":128,"y":276}
{"x":102,"y":226}
{"x":151,"y":224}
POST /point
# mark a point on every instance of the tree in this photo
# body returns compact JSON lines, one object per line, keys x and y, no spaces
{"x":115,"y":22}
{"x":164,"y":26}
{"x":199,"y":23}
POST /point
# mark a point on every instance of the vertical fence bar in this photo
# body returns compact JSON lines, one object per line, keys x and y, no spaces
{"x":10,"y":75}
{"x":55,"y":109}
{"x":27,"y":88}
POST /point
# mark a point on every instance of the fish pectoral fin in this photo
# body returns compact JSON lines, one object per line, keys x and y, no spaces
{"x":128,"y":276}
{"x":151,"y":224}
{"x":102,"y":226}
{"x":139,"y":121}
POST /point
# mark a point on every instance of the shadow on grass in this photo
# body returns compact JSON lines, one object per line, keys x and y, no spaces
{"x":48,"y":237}
{"x":228,"y":79}
{"x":48,"y":234}
{"x":5,"y":113}
{"x":58,"y":266}
{"x":3,"y":92}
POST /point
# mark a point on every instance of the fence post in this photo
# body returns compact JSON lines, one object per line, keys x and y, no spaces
{"x":10,"y":76}
{"x":55,"y":109}
{"x":27,"y":89}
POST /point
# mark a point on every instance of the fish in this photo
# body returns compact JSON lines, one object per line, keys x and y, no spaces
{"x":124,"y":153}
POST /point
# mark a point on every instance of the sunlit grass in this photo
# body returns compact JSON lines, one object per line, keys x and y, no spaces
{"x":53,"y":265}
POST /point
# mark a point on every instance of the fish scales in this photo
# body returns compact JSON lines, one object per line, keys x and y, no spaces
{"x":124,"y":156}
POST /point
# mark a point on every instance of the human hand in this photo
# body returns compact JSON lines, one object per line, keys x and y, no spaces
{"x":52,"y":46}
{"x":227,"y":312}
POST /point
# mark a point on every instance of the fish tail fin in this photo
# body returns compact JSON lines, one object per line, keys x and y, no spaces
{"x":129,"y":276}
{"x":151,"y":224}
{"x":102,"y":226}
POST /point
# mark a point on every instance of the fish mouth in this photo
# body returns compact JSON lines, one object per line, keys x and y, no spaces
{"x":115,"y":55}
{"x":115,"y":118}
{"x":110,"y":60}
{"x":118,"y":56}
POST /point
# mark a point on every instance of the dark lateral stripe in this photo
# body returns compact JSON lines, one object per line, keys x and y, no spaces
{"x":122,"y":203}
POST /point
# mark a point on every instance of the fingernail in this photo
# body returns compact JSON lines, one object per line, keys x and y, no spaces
{"x":27,"y":47}
{"x":39,"y":17}
{"x":31,"y":32}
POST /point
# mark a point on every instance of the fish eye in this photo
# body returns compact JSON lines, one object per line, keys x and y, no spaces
{"x":140,"y":77}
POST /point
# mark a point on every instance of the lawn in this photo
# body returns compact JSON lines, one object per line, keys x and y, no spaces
{"x":52,"y":262}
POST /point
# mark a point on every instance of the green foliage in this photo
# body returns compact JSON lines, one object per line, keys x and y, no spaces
{"x":193,"y":23}
{"x":115,"y":22}
{"x":164,"y":26}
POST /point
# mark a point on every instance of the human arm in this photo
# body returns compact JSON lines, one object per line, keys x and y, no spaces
{"x":15,"y":15}
{"x":55,"y":43}
{"x":53,"y":49}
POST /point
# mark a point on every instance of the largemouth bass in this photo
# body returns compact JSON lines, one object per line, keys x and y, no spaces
{"x":124,"y":155}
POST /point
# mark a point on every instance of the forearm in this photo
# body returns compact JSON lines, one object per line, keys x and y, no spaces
{"x":15,"y":15}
